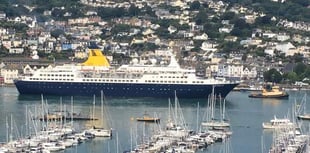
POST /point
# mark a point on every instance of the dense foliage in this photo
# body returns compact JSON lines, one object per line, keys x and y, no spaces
{"x":293,"y":10}
{"x":301,"y":72}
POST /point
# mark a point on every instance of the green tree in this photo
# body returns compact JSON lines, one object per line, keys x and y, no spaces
{"x":133,"y":10}
{"x":273,"y":75}
{"x":56,"y":33}
{"x":195,"y":5}
{"x":291,"y":77}
{"x":307,"y":72}
{"x":228,"y":15}
{"x":265,"y":20}
{"x":299,"y":68}
{"x":201,"y":17}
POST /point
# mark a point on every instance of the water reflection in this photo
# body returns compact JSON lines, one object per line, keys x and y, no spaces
{"x":111,"y":101}
{"x":272,"y":102}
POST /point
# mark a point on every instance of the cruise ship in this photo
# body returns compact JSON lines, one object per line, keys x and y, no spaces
{"x":133,"y":80}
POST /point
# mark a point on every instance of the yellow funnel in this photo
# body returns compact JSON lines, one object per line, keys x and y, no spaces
{"x":96,"y":58}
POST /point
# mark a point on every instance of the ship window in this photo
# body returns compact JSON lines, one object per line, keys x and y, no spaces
{"x":194,"y":82}
{"x":161,"y":81}
{"x":173,"y":81}
{"x":48,"y":74}
{"x":169,"y":81}
{"x":56,"y":74}
{"x":131,"y":80}
{"x":71,"y":75}
{"x":177,"y":81}
{"x":153,"y":80}
{"x":40,"y":74}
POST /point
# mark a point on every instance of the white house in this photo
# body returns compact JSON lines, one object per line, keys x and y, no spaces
{"x":269,"y":51}
{"x":209,"y":46}
{"x":9,"y":75}
{"x":203,"y":36}
{"x":283,"y":37}
{"x":285,"y":48}
{"x":230,"y":70}
{"x":249,"y":72}
{"x":16,"y":50}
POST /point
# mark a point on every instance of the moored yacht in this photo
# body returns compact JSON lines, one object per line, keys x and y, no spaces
{"x":278,"y":123}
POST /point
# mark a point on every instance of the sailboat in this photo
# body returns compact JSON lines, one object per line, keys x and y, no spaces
{"x":99,"y":131}
{"x":301,"y":112}
{"x":176,"y":125}
{"x":211,"y":121}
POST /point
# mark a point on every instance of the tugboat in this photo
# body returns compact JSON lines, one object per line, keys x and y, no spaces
{"x":270,"y":91}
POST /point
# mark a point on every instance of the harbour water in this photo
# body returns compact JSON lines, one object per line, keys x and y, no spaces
{"x":246,"y":116}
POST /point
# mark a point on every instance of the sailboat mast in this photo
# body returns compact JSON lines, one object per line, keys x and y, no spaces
{"x":11,"y":131}
{"x":169,"y":113}
{"x":42,"y":106}
{"x":224,"y":106}
{"x":71,"y":111}
{"x":93,"y":113}
{"x":27,"y":127}
{"x":175,"y":107}
{"x":197,"y":118}
{"x":212,"y":103}
{"x":221,"y":110}
{"x":117,"y":142}
{"x":7,"y":129}
{"x":61,"y":110}
{"x":131,"y":139}
{"x":101,"y":105}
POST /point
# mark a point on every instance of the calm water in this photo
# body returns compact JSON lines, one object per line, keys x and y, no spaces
{"x":246,"y":116}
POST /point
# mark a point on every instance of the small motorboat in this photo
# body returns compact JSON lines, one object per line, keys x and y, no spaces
{"x":148,"y":118}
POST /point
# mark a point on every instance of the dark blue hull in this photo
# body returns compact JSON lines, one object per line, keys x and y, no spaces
{"x":121,"y":89}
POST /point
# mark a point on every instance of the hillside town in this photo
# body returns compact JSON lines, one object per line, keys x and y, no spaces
{"x":174,"y":25}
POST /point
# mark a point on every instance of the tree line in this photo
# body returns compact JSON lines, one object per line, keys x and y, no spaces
{"x":301,"y":72}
